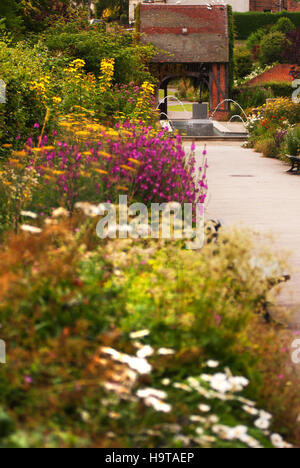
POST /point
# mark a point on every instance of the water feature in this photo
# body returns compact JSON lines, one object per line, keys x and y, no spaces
{"x":223,"y":102}
{"x":204,"y":127}
{"x":237,"y":116}
{"x":162,"y":122}
{"x":194,"y":128}
{"x":171,"y":97}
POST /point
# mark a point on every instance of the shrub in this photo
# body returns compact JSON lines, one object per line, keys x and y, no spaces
{"x":283,"y":25}
{"x":255,"y":38}
{"x":271,"y":47}
{"x":91,"y":161}
{"x":290,"y":54}
{"x":243,"y":62}
{"x":293,"y":142}
{"x":77,"y":374}
{"x":249,"y":22}
{"x":249,"y":97}
{"x":94,"y":45}
{"x":20,"y":66}
{"x":10,"y":16}
{"x":267,"y":147}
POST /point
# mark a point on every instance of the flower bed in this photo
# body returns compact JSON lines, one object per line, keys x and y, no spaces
{"x":272,"y":127}
{"x":130,"y":344}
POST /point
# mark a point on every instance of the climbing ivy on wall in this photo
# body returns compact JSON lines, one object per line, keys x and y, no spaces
{"x":138,"y":18}
{"x":231,"y":35}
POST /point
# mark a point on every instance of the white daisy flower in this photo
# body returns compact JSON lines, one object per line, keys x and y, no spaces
{"x":204,"y":408}
{"x":145,"y":351}
{"x":250,"y":410}
{"x":29,"y":214}
{"x":165,"y":351}
{"x":31,"y":229}
{"x":139,"y":334}
{"x":262,"y":423}
{"x":212,"y":364}
{"x":147,"y":392}
{"x":158,"y":405}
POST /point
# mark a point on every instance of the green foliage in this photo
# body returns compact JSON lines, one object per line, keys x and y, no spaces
{"x":93,"y":45}
{"x":10,"y":14}
{"x":293,"y":142}
{"x":271,"y":47}
{"x":255,"y":96}
{"x":37,"y":14}
{"x":243,"y":62}
{"x":19,"y":66}
{"x":102,"y":5}
{"x":249,"y":97}
{"x":267,"y":147}
{"x":247,"y":23}
{"x":61,"y":387}
{"x":255,"y":38}
{"x":283,"y":25}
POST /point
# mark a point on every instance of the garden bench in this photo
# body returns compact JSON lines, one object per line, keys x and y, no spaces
{"x":295,"y":160}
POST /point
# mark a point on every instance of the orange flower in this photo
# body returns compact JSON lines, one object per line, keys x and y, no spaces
{"x":127,"y":168}
{"x":135,"y":161}
{"x":19,"y":153}
{"x":100,"y":171}
{"x":105,"y":155}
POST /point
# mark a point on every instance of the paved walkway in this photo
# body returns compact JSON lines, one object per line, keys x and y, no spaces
{"x":246,"y":189}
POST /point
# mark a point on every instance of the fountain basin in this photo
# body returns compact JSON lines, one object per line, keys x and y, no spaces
{"x":201,"y":129}
{"x":193,"y":127}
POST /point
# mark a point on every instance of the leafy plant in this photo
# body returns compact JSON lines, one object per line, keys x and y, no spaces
{"x":271,"y":47}
{"x":293,"y":142}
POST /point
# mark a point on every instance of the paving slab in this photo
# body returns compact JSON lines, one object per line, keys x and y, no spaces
{"x":248,"y":190}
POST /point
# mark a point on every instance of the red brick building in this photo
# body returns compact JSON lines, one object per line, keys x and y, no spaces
{"x":194,"y":42}
{"x":274,"y":5}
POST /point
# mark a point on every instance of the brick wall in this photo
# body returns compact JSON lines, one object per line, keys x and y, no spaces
{"x":274,"y":5}
{"x":277,"y":73}
{"x":293,"y":5}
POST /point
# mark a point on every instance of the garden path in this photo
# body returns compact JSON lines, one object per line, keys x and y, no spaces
{"x":248,"y":190}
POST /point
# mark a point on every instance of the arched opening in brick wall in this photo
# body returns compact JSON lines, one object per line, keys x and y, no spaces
{"x":205,"y":76}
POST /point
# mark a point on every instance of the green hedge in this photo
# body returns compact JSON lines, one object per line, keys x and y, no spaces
{"x":247,"y":23}
{"x":255,"y":96}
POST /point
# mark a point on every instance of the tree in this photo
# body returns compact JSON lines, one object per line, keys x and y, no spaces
{"x":243,"y":62}
{"x":271,"y":47}
{"x":37,"y":13}
{"x":291,"y":53}
{"x":103,"y":5}
{"x":284,"y":25}
{"x":10,"y":14}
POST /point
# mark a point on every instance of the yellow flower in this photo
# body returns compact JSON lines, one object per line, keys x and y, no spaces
{"x":57,"y":172}
{"x":56,"y":100}
{"x":19,"y":153}
{"x":105,"y":155}
{"x":48,"y":148}
{"x":100,"y":171}
{"x":120,"y":187}
{"x":127,"y":168}
{"x":65,"y":124}
{"x":82,"y":133}
{"x":14,"y":161}
{"x":135,"y":161}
